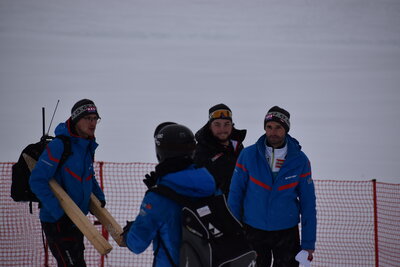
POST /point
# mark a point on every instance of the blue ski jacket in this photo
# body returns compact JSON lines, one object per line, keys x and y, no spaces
{"x":160,"y":216}
{"x":76,"y":176}
{"x":258,"y":201}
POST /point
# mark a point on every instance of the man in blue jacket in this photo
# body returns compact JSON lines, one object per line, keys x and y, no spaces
{"x":159,"y":219}
{"x":272,"y":191}
{"x":77,"y":178}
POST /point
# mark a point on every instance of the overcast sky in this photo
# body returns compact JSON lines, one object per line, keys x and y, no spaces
{"x":334,"y":65}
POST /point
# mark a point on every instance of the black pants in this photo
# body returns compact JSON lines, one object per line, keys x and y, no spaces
{"x":283,"y":245}
{"x":65,"y":242}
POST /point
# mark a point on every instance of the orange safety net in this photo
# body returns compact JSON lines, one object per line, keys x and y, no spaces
{"x":358,"y":221}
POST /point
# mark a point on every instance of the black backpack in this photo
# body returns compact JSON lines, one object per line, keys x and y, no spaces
{"x":20,"y":190}
{"x":211,"y":235}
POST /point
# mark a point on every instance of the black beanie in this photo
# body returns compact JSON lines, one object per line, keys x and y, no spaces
{"x":220,"y":111}
{"x":279,"y":115}
{"x":82,"y":108}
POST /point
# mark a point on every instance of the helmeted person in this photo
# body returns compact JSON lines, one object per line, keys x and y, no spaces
{"x":77,"y":178}
{"x":159,"y":219}
{"x":219,"y":145}
{"x":272,"y":191}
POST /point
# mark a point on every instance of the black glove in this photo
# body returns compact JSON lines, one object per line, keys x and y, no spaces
{"x":150,"y":179}
{"x":126,"y":229}
{"x":103,"y":203}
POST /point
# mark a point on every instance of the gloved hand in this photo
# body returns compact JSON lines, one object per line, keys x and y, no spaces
{"x":103,"y":203}
{"x":304,"y":257}
{"x":126,"y":229}
{"x":150,"y":180}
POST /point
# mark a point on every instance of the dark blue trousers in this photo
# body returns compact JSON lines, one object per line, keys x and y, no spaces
{"x":66,"y":242}
{"x":282,"y":246}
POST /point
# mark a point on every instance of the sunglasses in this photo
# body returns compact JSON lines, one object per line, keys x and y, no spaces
{"x":220,"y":114}
{"x":90,"y":119}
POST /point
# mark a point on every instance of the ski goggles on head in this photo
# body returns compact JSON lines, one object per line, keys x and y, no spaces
{"x":220,"y":114}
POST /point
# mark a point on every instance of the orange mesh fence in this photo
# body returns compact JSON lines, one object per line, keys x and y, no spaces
{"x":358,"y":221}
{"x":388,"y":230}
{"x":345,"y":229}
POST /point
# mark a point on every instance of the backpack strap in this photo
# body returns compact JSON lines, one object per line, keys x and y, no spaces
{"x":181,"y":200}
{"x":166,"y":251}
{"x":171,"y":194}
{"x":67,"y":149}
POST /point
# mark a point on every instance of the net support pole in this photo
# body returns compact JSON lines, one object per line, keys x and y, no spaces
{"x":375,"y":223}
{"x":103,"y":230}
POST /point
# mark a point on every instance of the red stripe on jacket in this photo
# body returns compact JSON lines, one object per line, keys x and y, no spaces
{"x":257,"y":182}
{"x":74,"y":174}
{"x":283,"y":187}
{"x":89,"y":177}
{"x":51,"y":156}
{"x":241,"y":166}
{"x":77,"y":176}
{"x":305,"y":174}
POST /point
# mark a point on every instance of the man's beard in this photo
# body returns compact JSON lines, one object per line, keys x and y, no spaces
{"x":275,"y":140}
{"x":222,"y":140}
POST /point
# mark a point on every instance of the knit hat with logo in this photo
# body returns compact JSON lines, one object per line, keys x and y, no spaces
{"x":279,"y":115}
{"x":82,"y":108}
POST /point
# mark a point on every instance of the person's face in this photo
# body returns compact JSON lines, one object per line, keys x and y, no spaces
{"x":275,"y":134}
{"x":86,"y":126}
{"x":221,"y":129}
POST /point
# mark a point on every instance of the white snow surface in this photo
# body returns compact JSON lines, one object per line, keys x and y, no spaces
{"x":333,"y":64}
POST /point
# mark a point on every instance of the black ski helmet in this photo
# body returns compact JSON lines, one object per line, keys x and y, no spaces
{"x":173,"y":140}
{"x":162,"y":125}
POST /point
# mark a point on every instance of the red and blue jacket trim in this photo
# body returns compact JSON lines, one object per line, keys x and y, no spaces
{"x":269,"y":204}
{"x":76,"y":175}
